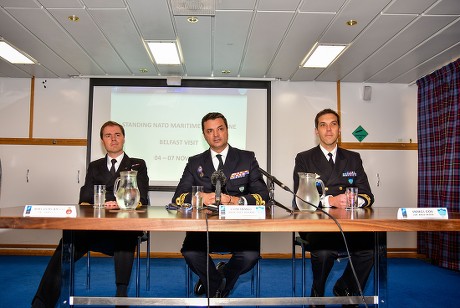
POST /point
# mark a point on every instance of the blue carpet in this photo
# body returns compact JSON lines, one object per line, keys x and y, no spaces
{"x":411,"y":283}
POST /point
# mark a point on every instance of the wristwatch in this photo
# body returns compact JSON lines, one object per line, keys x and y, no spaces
{"x":242,"y":201}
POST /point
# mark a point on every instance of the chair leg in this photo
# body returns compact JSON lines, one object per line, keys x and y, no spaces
{"x":258,"y":279}
{"x":147,"y":278}
{"x":293,"y":265}
{"x":304,"y":275}
{"x":188,"y":280}
{"x":252,"y":277}
{"x":88,"y":270}
{"x":255,"y":278}
{"x":257,"y":270}
{"x":138,"y":263}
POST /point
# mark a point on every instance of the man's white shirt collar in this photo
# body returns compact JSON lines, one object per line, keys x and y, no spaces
{"x":325,"y":152}
{"x":119,"y":158}
{"x":224,"y":154}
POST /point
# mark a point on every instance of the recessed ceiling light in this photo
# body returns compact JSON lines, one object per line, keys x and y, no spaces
{"x":164,"y":52}
{"x":73,"y":18}
{"x":12,"y":55}
{"x":192,"y":19}
{"x":322,"y":55}
{"x":352,"y":22}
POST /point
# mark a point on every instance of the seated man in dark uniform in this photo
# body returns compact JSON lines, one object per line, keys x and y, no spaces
{"x":244,"y":185}
{"x":120,"y":244}
{"x":338,"y":168}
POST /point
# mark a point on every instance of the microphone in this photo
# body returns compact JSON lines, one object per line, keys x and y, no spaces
{"x":275,"y":180}
{"x":178,"y":207}
{"x":218,"y":179}
{"x":172,"y":206}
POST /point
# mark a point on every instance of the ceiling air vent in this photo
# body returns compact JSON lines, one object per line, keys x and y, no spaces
{"x":193,"y":7}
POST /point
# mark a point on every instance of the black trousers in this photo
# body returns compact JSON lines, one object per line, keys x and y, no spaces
{"x":119,"y":244}
{"x":325,"y":248}
{"x":244,"y":247}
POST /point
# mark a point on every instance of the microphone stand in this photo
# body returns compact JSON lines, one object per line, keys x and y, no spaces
{"x":272,"y":201}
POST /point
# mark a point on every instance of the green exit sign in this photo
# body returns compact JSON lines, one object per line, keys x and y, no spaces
{"x":360,"y":133}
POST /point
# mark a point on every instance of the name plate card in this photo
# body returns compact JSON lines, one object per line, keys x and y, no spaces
{"x":60,"y":211}
{"x":423,"y":213}
{"x":241,"y":211}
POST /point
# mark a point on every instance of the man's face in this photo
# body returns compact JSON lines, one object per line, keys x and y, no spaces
{"x":113,"y":140}
{"x":216,"y":134}
{"x":328,"y":130}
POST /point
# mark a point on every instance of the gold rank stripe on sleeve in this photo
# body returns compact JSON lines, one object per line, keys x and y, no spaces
{"x":181,"y":199}
{"x":367,"y":198}
{"x":259,"y":200}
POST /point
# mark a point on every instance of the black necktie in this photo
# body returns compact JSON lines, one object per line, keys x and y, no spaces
{"x":331,"y":161}
{"x":221,"y":163}
{"x":112,"y":169}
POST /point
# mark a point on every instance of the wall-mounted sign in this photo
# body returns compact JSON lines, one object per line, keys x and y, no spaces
{"x":360,"y":133}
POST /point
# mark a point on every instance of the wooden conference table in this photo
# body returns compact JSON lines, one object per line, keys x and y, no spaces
{"x":158,"y":219}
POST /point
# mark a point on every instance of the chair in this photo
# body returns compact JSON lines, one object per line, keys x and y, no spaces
{"x":145,"y":237}
{"x":298,"y":241}
{"x":255,"y":278}
{"x":305,"y":246}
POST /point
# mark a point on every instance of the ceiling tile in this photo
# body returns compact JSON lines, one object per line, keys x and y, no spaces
{"x":266,"y":36}
{"x":153,"y":19}
{"x":382,"y":30}
{"x":61,"y":4}
{"x":445,"y":7}
{"x":414,"y":34}
{"x":196,"y":44}
{"x":409,"y":6}
{"x":276,"y":5}
{"x":340,"y":33}
{"x":302,"y":36}
{"x":231,"y":30}
{"x":16,"y":3}
{"x":117,"y":27}
{"x":235,"y":4}
{"x":91,"y":4}
{"x":322,"y":6}
{"x":442,"y":59}
{"x":425,"y":50}
{"x":91,"y":40}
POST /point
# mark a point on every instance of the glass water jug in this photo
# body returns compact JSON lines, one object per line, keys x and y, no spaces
{"x":126,"y":190}
{"x":308,"y":191}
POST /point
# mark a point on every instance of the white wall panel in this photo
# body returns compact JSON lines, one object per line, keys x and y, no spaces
{"x":14,"y":107}
{"x":389,"y":116}
{"x":61,"y":108}
{"x":41,"y":174}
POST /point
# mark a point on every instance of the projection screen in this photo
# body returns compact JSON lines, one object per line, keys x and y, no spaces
{"x":163,"y":123}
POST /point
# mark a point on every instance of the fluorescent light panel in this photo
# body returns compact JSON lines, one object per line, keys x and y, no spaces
{"x":323,"y":55}
{"x":164,"y":52}
{"x":12,"y":55}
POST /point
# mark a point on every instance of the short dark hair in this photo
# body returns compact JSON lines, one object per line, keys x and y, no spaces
{"x":326,"y":111}
{"x":112,"y":123}
{"x":213,"y":116}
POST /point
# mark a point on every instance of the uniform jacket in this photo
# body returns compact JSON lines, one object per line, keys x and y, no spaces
{"x":99,"y":174}
{"x":241,"y":170}
{"x":348,"y":171}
